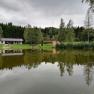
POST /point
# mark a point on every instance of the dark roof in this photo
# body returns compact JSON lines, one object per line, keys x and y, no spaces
{"x":11,"y":39}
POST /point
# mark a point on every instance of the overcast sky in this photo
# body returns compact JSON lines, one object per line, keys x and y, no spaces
{"x":42,"y":13}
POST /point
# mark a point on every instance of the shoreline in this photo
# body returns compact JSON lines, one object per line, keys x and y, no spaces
{"x":25,"y":46}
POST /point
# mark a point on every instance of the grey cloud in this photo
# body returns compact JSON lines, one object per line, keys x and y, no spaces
{"x":57,"y":7}
{"x":47,"y":7}
{"x":10,"y":5}
{"x":31,"y":11}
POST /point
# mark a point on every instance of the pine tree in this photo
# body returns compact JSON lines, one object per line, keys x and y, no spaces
{"x":1,"y":32}
{"x":70,"y":24}
{"x":62,"y":24}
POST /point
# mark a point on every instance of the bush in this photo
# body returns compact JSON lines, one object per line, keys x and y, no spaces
{"x":76,"y":45}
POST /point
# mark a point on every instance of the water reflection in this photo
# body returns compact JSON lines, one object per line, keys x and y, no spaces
{"x":88,"y":72}
{"x":11,"y":52}
{"x":73,"y":64}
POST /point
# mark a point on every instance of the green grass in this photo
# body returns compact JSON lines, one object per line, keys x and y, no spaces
{"x":1,"y":46}
{"x":27,"y":46}
{"x":18,"y":46}
{"x":46,"y":47}
{"x":15,"y":46}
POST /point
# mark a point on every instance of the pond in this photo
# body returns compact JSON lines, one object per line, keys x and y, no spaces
{"x":46,"y":72}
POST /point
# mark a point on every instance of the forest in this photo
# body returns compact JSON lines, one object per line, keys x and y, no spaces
{"x":65,"y":33}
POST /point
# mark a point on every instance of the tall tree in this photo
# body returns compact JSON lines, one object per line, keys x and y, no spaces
{"x":66,"y":34}
{"x":69,"y":35}
{"x":27,"y":34}
{"x":1,"y":32}
{"x":61,"y":33}
{"x":91,"y":2}
{"x":36,"y":36}
{"x":70,"y":24}
{"x":33,"y":35}
{"x":90,"y":9}
{"x":62,"y":24}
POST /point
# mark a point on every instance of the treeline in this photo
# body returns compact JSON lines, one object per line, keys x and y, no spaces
{"x":12,"y":31}
{"x":65,"y":33}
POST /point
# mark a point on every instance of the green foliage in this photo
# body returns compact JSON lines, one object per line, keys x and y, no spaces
{"x":62,"y":24}
{"x":36,"y":36}
{"x":78,"y":33}
{"x":27,"y":34}
{"x":33,"y":35}
{"x":87,"y":33}
{"x":49,"y":33}
{"x":69,"y":35}
{"x":70,"y":24}
{"x":76,"y":45}
{"x":1,"y":32}
{"x":11,"y":31}
{"x":66,"y":35}
{"x":63,"y":34}
{"x":91,"y":2}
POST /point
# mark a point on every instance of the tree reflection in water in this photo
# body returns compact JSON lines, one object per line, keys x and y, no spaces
{"x":88,"y":73}
{"x":66,"y":61}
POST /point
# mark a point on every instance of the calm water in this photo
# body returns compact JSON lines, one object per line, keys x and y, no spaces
{"x":40,"y":72}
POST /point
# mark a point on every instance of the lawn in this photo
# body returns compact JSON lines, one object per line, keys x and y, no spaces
{"x":19,"y":46}
{"x":27,"y":46}
{"x":46,"y":47}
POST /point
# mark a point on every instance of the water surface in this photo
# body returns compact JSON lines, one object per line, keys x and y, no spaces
{"x":42,"y":72}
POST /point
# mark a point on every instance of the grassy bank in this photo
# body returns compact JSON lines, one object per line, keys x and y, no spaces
{"x":18,"y":46}
{"x":64,"y":45}
{"x":26,"y":46}
{"x":76,"y":45}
